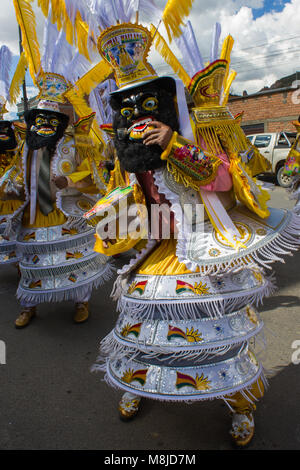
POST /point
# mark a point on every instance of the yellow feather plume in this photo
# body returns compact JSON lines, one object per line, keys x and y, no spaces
{"x":27,"y":22}
{"x":84,"y":86}
{"x":18,"y":79}
{"x":162,"y":47}
{"x":227,"y":86}
{"x":173,"y":14}
{"x":226,"y":52}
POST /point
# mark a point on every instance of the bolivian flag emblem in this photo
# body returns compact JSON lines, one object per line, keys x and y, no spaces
{"x":137,"y":287}
{"x":200,"y":289}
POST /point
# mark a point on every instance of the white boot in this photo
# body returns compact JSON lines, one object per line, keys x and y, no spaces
{"x":242,"y":430}
{"x":129,"y":405}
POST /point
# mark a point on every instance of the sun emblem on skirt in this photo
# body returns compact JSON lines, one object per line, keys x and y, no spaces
{"x":191,"y":335}
{"x":134,"y":329}
{"x":139,"y":375}
{"x":199,"y":383}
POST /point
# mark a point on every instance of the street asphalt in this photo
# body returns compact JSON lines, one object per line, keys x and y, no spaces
{"x":50,"y":400}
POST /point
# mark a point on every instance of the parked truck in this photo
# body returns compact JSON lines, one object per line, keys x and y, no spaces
{"x":275,"y":146}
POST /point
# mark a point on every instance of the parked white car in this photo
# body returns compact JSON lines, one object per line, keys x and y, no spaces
{"x":275,"y":146}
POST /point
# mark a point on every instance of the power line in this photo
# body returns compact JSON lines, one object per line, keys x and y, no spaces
{"x":270,"y":43}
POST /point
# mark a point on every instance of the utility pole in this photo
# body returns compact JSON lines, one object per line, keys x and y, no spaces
{"x":25,"y":99}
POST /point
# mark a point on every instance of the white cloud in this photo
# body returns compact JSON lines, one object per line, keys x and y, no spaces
{"x":265,"y":49}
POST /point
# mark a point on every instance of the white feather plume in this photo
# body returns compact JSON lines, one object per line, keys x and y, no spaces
{"x":49,"y":39}
{"x":5,"y":66}
{"x":214,"y":54}
{"x":62,"y":54}
{"x":105,"y":13}
{"x":188,"y":47}
{"x":78,"y":66}
{"x":58,"y":56}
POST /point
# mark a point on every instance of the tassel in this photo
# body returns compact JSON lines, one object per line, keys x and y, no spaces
{"x":166,"y":53}
{"x":93,"y":77}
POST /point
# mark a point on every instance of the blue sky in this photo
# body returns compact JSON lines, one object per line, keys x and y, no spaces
{"x":269,"y":6}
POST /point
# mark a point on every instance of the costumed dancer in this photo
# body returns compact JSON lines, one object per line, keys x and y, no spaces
{"x":187,"y":302}
{"x":10,"y":140}
{"x":61,"y":181}
{"x":292,"y":167}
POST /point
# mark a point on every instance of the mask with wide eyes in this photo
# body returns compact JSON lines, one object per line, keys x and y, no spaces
{"x":45,"y":125}
{"x":149,"y":104}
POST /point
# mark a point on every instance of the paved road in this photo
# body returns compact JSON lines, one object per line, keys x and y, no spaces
{"x":51,"y":400}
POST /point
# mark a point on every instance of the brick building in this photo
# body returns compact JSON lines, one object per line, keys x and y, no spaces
{"x":270,"y":110}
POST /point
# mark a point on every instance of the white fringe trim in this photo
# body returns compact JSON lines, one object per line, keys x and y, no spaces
{"x":91,"y":263}
{"x":65,"y":243}
{"x":114,"y":349}
{"x":76,"y":293}
{"x":112,"y":382}
{"x":193,"y":309}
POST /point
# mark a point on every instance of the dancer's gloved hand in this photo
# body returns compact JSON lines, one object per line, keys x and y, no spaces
{"x":160,"y":135}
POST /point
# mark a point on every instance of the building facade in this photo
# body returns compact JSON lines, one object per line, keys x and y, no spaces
{"x":270,"y":110}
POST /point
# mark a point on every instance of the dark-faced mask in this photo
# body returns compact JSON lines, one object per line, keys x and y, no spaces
{"x":134,"y":112}
{"x":45,"y":128}
{"x":7,"y":136}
